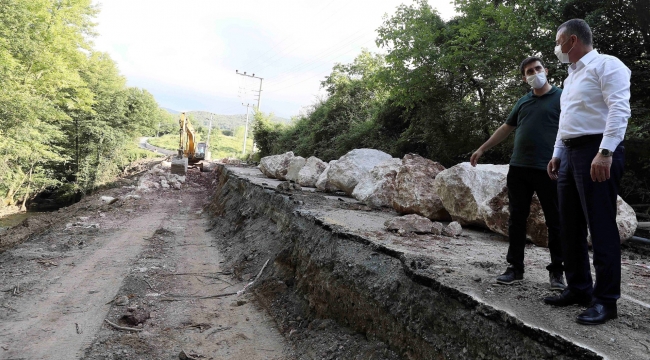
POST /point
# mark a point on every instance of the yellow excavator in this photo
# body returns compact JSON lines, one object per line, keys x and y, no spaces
{"x":190,"y":151}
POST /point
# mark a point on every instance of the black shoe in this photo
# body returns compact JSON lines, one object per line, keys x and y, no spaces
{"x":557,"y":281}
{"x":511,"y":276}
{"x":597,"y":314}
{"x":568,"y":298}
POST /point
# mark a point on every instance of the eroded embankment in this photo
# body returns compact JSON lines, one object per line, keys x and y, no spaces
{"x":384,"y":299}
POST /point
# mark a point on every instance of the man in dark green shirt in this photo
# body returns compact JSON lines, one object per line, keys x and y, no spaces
{"x":535,"y":117}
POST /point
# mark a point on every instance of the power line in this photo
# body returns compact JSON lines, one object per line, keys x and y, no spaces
{"x":292,"y":77}
{"x":316,"y":12}
{"x":299,"y":82}
{"x":347,"y":41}
{"x":279,"y":55}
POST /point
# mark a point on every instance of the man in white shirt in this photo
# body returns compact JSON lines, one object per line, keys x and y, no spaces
{"x":588,"y":163}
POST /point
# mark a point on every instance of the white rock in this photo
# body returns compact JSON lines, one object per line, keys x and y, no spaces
{"x":108,"y":199}
{"x":414,"y":193}
{"x":323,"y":183}
{"x":410,"y":223}
{"x":309,"y":174}
{"x":177,"y":185}
{"x":479,"y":196}
{"x":378,"y":189}
{"x":295,"y":165}
{"x":625,"y":219}
{"x":354,"y":166}
{"x":166,"y":164}
{"x":276,"y":166}
{"x":453,"y":229}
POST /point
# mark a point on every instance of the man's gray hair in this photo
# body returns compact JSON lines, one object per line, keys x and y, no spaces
{"x":579,"y":28}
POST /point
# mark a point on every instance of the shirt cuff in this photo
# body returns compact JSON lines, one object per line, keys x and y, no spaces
{"x":609,"y":143}
{"x":557,"y":152}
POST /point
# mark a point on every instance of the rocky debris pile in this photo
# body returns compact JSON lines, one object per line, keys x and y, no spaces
{"x":160,"y":177}
{"x":415,"y":185}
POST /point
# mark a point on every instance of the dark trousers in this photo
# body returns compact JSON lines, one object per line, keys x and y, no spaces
{"x":584,"y":202}
{"x":522,"y":183}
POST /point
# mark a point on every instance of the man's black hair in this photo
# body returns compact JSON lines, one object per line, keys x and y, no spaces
{"x":579,"y":28}
{"x":528,"y":60}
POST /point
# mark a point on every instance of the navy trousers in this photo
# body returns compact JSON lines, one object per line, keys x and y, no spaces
{"x":587,"y":203}
{"x":522,"y":183}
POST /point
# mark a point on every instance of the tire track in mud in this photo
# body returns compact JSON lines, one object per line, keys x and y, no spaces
{"x":61,"y":321}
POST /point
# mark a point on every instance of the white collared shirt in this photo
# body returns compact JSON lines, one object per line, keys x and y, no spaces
{"x":595,"y":100}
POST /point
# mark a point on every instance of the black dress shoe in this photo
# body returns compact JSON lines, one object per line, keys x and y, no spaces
{"x":597,"y":314}
{"x":568,"y":298}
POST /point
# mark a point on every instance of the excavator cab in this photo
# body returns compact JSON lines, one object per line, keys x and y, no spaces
{"x":200,"y":151}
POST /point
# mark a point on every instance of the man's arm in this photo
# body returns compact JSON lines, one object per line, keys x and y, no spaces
{"x":501,"y":134}
{"x":615,"y":85}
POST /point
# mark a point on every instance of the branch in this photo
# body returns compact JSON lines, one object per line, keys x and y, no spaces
{"x":121,"y":327}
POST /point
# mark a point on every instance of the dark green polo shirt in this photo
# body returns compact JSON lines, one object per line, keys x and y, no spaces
{"x":536,"y":119}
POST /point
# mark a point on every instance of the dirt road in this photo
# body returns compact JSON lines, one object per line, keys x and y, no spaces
{"x":148,"y":253}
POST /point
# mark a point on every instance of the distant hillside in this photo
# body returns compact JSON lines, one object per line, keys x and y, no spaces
{"x":229,"y":122}
{"x":173,"y":112}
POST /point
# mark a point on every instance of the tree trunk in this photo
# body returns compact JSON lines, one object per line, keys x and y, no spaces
{"x":29,"y":185}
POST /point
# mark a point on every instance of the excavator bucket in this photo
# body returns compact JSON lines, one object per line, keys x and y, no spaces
{"x":179,"y":166}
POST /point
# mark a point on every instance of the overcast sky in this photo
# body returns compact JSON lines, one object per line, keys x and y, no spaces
{"x":186,"y":52}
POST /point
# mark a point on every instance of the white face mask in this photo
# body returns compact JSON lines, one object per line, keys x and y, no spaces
{"x":537,"y":81}
{"x":563,"y":57}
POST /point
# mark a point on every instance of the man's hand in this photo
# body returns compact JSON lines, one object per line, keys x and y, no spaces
{"x":600,"y":167}
{"x":553,"y":168}
{"x":475,"y":156}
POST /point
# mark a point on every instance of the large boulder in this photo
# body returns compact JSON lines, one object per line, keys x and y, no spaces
{"x":378,"y":189}
{"x":295,"y":165}
{"x":625,"y":219}
{"x":414,"y":193}
{"x":352,"y":167}
{"x":309,"y":174}
{"x":276,"y":166}
{"x":323,"y":183}
{"x":479,"y":196}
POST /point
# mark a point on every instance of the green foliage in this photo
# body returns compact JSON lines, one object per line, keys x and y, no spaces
{"x":221,"y":146}
{"x":443,"y":87}
{"x":224,"y":122}
{"x":66,"y":116}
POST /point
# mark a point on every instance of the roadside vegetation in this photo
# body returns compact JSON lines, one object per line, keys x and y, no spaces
{"x":221,"y":145}
{"x":67,"y":118}
{"x":442,"y":87}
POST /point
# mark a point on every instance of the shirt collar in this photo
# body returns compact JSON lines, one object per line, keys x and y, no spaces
{"x":584,"y":60}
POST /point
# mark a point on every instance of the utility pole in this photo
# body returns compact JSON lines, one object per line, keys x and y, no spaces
{"x":246,"y":129}
{"x":208,"y":152}
{"x":209,"y":130}
{"x":259,"y":92}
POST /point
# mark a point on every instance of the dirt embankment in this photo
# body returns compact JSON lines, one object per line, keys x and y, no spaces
{"x":417,"y":298}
